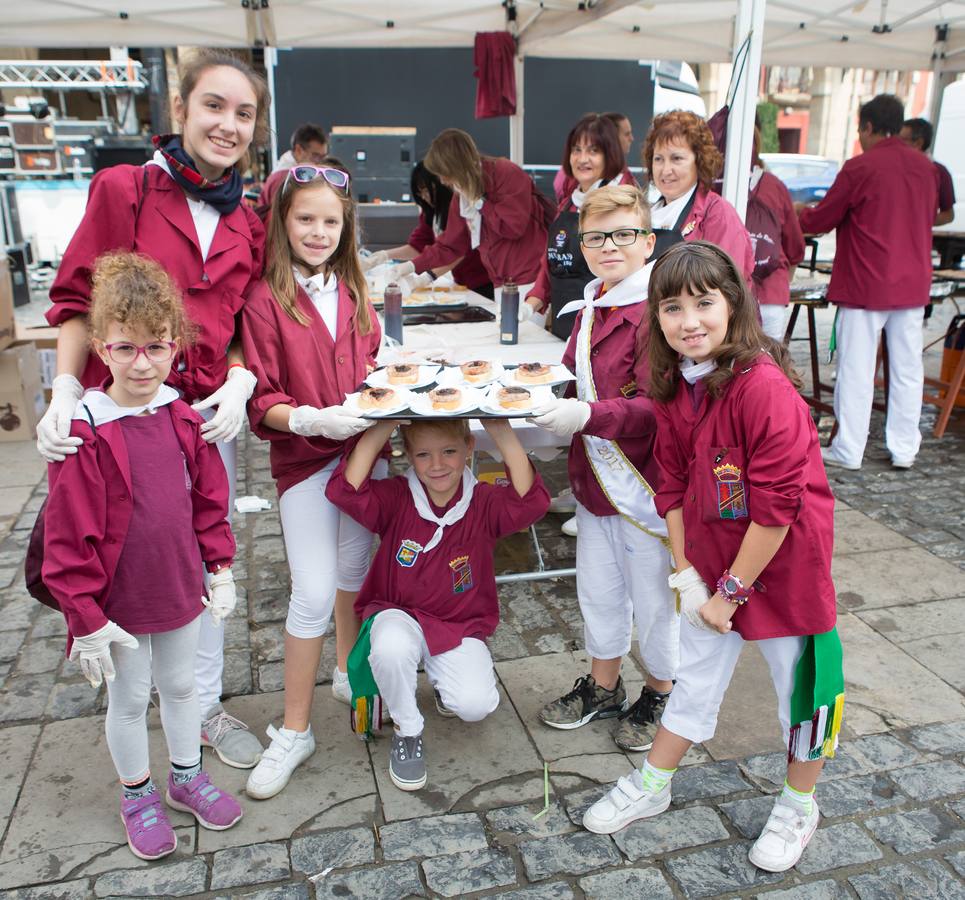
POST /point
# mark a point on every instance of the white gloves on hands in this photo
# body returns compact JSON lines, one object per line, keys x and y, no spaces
{"x":373,"y":260}
{"x":526,"y":311}
{"x":396,"y":273}
{"x":231,"y":399}
{"x":94,"y":652}
{"x":337,"y":423}
{"x":409,"y":283}
{"x":221,"y":597}
{"x":564,"y":417}
{"x":53,"y":430}
{"x":693,"y":595}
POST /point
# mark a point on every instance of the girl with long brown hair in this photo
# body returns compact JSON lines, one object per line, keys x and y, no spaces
{"x":750,"y":519}
{"x":310,"y":336}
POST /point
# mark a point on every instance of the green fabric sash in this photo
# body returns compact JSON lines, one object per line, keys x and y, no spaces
{"x":817,"y":703}
{"x":366,"y":702}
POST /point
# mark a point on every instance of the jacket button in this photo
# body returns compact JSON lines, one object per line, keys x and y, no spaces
{"x":341,"y":360}
{"x":204,"y":277}
{"x":693,"y":498}
{"x":596,"y":352}
{"x":122,"y":498}
{"x":690,"y":545}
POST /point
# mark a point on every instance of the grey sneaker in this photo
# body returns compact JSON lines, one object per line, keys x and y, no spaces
{"x":586,"y":702}
{"x":441,"y":707}
{"x":407,"y":762}
{"x":638,"y":725}
{"x":230,"y":738}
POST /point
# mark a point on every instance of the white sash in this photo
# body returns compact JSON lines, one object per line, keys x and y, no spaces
{"x":625,"y":488}
{"x":422,"y":507}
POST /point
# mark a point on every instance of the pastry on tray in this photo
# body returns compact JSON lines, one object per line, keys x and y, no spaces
{"x":534,"y":373}
{"x":404,"y":373}
{"x":477,"y":370}
{"x":447,"y":398}
{"x":377,"y":398}
{"x":514,"y":397}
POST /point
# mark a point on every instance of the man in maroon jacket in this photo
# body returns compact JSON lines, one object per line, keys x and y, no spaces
{"x":918,"y":133}
{"x":882,"y":205}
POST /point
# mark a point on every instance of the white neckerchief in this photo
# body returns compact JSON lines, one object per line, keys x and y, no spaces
{"x":104,"y":409}
{"x":693,"y":372}
{"x":322,"y":290}
{"x":437,"y":229}
{"x":423,"y":508}
{"x":205,"y":216}
{"x":756,"y":173}
{"x":633,"y":289}
{"x":665,"y":215}
{"x":472,"y":213}
{"x":578,"y":196}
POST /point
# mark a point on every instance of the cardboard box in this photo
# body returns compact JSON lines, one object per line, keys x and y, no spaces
{"x":21,"y":396}
{"x":44,"y":338}
{"x":7,"y":325}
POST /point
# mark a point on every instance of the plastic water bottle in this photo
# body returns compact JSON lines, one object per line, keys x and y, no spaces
{"x":509,"y":314}
{"x":392,"y":311}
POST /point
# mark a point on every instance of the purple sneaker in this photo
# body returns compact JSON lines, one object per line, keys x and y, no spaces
{"x":212,"y":807}
{"x":149,"y":833}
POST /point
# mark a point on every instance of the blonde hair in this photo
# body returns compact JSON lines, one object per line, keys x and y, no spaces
{"x":616,"y":198}
{"x":454,"y":157}
{"x":457,"y":429}
{"x":136,"y":292}
{"x":344,"y":262}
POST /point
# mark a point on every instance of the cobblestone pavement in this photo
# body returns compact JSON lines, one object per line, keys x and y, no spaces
{"x":893,"y":801}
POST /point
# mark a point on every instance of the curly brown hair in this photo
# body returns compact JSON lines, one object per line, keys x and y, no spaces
{"x":136,"y":292}
{"x":692,"y":130}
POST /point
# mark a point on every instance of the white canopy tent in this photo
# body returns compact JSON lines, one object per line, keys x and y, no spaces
{"x":877,"y":34}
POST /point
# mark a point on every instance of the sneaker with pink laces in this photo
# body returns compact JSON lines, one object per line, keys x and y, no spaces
{"x":213,"y":808}
{"x":149,"y":833}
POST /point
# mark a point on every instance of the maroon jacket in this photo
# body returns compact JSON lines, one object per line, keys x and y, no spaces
{"x":624,"y":412}
{"x":470,"y":272}
{"x":451,"y":591}
{"x":301,"y":365}
{"x":758,"y":438}
{"x":90,"y":505}
{"x":882,"y":205}
{"x":776,"y":288}
{"x":164,"y":230}
{"x":513,"y":234}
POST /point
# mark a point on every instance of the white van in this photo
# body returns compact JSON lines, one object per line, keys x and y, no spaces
{"x":949,"y":148}
{"x":675,"y":87}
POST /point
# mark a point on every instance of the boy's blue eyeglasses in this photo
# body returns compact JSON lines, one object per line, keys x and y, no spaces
{"x":337,"y":178}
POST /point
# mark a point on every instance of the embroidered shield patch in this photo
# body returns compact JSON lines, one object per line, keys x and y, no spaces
{"x":731,"y":500}
{"x":408,"y":553}
{"x":461,"y":574}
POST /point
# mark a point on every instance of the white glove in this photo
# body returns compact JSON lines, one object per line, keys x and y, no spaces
{"x":221,"y":597}
{"x":693,"y":595}
{"x":53,"y":430}
{"x":400,"y":271}
{"x":373,"y":260}
{"x":337,"y":423}
{"x":526,"y":311}
{"x":94,"y":651}
{"x":231,"y":399}
{"x":409,"y":283}
{"x":564,"y":417}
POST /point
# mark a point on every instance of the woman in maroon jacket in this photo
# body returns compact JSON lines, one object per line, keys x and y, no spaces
{"x":496,"y":209}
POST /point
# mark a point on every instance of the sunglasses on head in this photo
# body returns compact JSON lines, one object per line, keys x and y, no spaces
{"x":307,"y":174}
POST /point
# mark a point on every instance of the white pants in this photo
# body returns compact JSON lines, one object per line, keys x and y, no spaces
{"x":707,"y":662}
{"x":772,"y":320}
{"x":167,"y":658}
{"x":326,"y":548}
{"x":621,"y":579}
{"x":857,"y":337}
{"x":463,"y":676}
{"x":209,"y":660}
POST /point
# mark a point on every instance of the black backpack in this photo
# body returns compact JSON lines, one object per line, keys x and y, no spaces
{"x":764,"y":228}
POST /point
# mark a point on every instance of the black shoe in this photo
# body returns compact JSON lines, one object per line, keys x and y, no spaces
{"x":638,"y":725}
{"x":586,"y":702}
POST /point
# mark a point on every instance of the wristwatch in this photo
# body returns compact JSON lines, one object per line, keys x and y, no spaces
{"x":732,"y":589}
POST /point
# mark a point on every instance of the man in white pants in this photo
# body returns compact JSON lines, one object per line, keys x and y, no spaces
{"x":882,"y":205}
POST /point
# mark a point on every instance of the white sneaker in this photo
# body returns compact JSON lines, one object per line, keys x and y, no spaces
{"x":569,"y":527}
{"x":784,"y":837}
{"x":626,"y":802}
{"x":902,"y":463}
{"x":831,"y":460}
{"x":287,"y":752}
{"x":563,"y":502}
{"x":341,"y":689}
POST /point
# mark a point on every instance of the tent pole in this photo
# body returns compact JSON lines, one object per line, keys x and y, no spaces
{"x":271,"y":58}
{"x":937,"y":81}
{"x":740,"y":125}
{"x":516,"y":121}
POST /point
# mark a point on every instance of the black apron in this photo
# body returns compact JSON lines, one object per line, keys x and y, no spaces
{"x":667,"y":237}
{"x":569,"y":273}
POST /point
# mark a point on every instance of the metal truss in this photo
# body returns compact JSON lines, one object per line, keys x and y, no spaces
{"x":74,"y":75}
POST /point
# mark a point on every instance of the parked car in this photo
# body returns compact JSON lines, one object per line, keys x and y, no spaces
{"x":806,"y":177}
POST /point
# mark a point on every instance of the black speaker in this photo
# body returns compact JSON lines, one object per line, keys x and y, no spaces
{"x":117,"y":149}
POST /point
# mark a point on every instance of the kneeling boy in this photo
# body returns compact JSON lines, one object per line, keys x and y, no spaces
{"x":432,"y":587}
